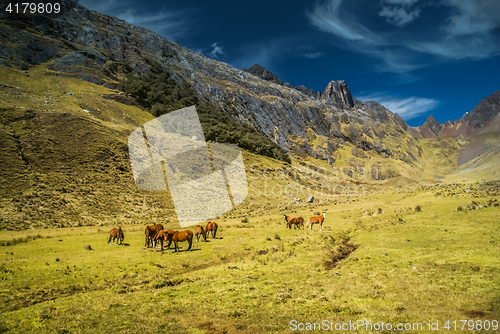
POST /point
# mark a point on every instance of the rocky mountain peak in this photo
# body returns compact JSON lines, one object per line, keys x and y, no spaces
{"x":264,"y":73}
{"x":484,"y":112}
{"x":338,"y":92}
{"x":433,"y":125}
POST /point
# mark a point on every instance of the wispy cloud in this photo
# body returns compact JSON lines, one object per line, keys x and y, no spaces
{"x":169,"y":24}
{"x":312,"y":55}
{"x":466,"y":33}
{"x":407,"y":107}
{"x":399,"y":16}
{"x":216,"y":51}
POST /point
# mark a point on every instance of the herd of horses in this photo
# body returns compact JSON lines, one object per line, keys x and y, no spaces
{"x":155,"y":233}
{"x":298,"y":222}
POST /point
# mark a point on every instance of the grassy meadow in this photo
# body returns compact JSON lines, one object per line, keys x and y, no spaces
{"x":427,"y":255}
{"x":391,"y":250}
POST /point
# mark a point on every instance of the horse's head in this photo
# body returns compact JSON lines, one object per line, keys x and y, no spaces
{"x":120,"y":234}
{"x":324,"y":215}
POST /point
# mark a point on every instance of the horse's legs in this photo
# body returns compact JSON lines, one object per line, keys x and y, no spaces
{"x":109,"y":241}
{"x":190,"y":243}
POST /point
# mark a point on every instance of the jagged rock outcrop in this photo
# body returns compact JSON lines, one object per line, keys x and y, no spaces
{"x":337,"y":92}
{"x":430,"y":128}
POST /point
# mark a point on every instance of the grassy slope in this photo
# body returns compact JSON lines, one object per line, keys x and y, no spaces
{"x":223,"y":285}
{"x":250,"y":292}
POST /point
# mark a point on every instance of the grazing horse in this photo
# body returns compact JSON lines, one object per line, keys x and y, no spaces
{"x":162,"y":235}
{"x":316,"y":220}
{"x":176,"y":237}
{"x":211,"y":227}
{"x":150,"y":233}
{"x":199,"y":231}
{"x":117,"y":234}
{"x":295,"y":221}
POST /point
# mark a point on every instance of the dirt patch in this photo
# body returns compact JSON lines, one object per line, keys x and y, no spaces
{"x":474,"y":314}
{"x":472,"y":151}
{"x":334,"y":257}
{"x":211,"y":328}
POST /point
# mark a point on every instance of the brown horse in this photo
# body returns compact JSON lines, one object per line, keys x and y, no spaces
{"x":316,"y":220}
{"x":162,"y":235}
{"x":117,"y":234}
{"x":150,"y":233}
{"x":211,"y":227}
{"x":199,"y":231}
{"x":176,"y":237}
{"x":295,"y":221}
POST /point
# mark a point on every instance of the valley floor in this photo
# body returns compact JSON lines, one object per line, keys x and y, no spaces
{"x":426,"y":258}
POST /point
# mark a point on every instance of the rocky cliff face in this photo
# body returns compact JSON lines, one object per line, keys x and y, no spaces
{"x":97,"y":48}
{"x":337,"y":92}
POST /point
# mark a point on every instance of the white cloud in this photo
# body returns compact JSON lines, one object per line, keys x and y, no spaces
{"x":216,"y":51}
{"x":399,"y":16}
{"x":329,"y":18}
{"x":407,"y":108}
{"x":169,"y":24}
{"x":472,"y":17}
{"x":466,"y":33}
{"x":313,"y":55}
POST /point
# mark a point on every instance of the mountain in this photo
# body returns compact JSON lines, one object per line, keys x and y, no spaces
{"x":477,"y":135}
{"x":65,"y":124}
{"x":483,"y":118}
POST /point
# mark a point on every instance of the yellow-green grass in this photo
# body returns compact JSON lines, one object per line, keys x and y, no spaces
{"x":413,"y":264}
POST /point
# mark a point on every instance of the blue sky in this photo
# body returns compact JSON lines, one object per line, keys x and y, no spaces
{"x":416,"y":57}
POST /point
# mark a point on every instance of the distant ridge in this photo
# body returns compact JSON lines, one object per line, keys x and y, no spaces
{"x":473,"y":122}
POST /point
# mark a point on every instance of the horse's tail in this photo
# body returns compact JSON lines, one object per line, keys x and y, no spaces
{"x":203,"y":233}
{"x":215,"y":229}
{"x":146,"y":233}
